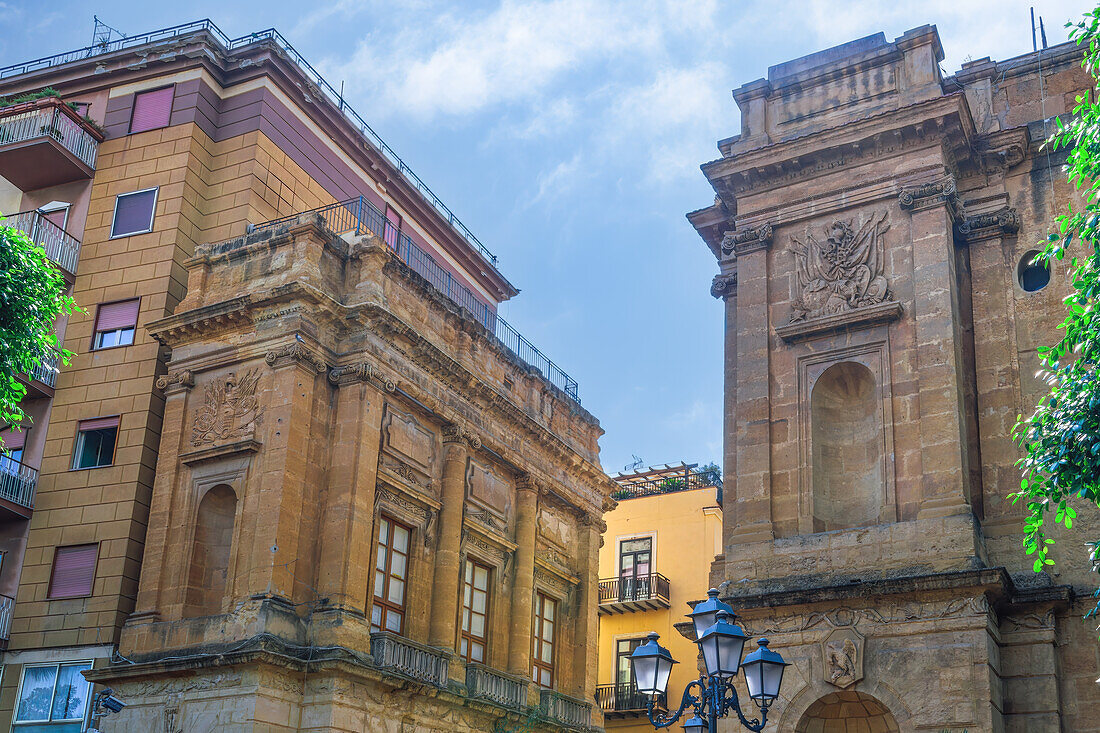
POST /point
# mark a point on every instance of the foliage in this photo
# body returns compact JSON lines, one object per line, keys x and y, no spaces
{"x":671,"y":484}
{"x":1061,"y":440}
{"x":30,"y":97}
{"x":711,"y":473}
{"x":32,"y":297}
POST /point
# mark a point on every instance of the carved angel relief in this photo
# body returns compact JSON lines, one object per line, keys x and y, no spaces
{"x":842,"y":273}
{"x":230,"y":410}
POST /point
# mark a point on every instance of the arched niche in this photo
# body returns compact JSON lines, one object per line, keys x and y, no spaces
{"x":211,"y":552}
{"x":847,"y":438}
{"x":841,"y":712}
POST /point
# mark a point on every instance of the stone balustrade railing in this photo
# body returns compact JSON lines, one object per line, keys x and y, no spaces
{"x":406,"y":657}
{"x":565,"y":710}
{"x":489,"y":684}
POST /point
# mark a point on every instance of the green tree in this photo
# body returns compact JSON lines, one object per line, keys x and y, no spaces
{"x":32,"y":296}
{"x":1061,"y":439}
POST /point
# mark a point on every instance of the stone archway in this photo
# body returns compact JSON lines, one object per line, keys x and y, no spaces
{"x":846,"y":712}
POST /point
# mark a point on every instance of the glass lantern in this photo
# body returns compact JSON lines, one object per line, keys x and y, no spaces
{"x":722,"y":645}
{"x":764,"y":674}
{"x":652,"y":665}
{"x":695,"y":724}
{"x":705,"y":613}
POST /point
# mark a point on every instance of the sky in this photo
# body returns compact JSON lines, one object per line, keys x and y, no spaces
{"x":568,"y":134}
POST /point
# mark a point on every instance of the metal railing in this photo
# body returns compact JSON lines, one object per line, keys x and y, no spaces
{"x":17,"y":482}
{"x":489,"y":684}
{"x":653,"y":586}
{"x":624,"y":698}
{"x":563,"y":709}
{"x":46,"y":371}
{"x":46,"y":118}
{"x":231,"y":44}
{"x":406,"y":657}
{"x":61,"y":247}
{"x":7,"y":605}
{"x":360,"y":216}
{"x":701,"y":479}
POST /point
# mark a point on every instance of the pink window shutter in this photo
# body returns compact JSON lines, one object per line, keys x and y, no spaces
{"x":152,"y":109}
{"x":73,"y":571}
{"x":99,"y":423}
{"x":113,"y":316}
{"x":12,"y":439}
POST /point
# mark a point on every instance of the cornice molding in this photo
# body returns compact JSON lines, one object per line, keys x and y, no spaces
{"x":178,"y":381}
{"x":296,"y":354}
{"x":928,"y":195}
{"x":363,"y":371}
{"x":455,"y":433}
{"x":1004,"y":222}
{"x":724,"y":286}
{"x":738,"y":243}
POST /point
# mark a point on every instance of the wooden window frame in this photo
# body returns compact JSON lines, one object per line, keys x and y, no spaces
{"x":541,"y":599}
{"x":468,"y":636}
{"x":383,"y":602}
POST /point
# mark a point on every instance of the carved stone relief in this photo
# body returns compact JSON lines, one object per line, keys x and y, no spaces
{"x":555,"y":528}
{"x":230,"y":411}
{"x":488,"y":489}
{"x":842,"y":271}
{"x":842,"y":652}
{"x":405,"y":437}
{"x":898,"y":612}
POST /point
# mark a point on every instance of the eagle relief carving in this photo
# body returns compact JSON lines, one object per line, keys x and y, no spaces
{"x":841,"y":272}
{"x":229,"y":411}
{"x":843,"y":652}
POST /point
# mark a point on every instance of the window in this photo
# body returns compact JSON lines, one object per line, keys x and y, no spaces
{"x":475,"y":611}
{"x":115,"y":324}
{"x":542,"y":641}
{"x":152,"y":109}
{"x":134,"y":213}
{"x":55,"y":212}
{"x":95,"y":442}
{"x":393,"y":226}
{"x":12,"y":443}
{"x":1033,"y":275}
{"x":634,"y":568}
{"x":52,"y":698}
{"x":73,"y":571}
{"x":391,"y":571}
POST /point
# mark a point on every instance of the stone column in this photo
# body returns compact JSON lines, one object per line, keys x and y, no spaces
{"x":519,"y":637}
{"x":585,"y":641}
{"x":447,"y":572}
{"x":344,"y":575}
{"x":724,"y":287}
{"x":162,"y":520}
{"x":944,"y":457}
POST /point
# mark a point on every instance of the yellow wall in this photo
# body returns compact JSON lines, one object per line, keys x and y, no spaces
{"x":686,"y":528}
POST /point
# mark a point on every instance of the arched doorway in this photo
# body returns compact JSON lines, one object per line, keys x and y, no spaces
{"x":836,"y":713}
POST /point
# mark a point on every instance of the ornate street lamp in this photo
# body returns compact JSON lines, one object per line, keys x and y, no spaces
{"x":721,"y":643}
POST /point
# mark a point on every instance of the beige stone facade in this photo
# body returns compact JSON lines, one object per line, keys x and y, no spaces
{"x":873,"y":224}
{"x":285,"y":399}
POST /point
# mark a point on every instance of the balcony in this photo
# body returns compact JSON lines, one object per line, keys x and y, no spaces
{"x":624,"y":701}
{"x":17,"y":486}
{"x":503,"y":689}
{"x":61,"y":247}
{"x":565,"y":710}
{"x":45,"y":143}
{"x":42,"y":379}
{"x":7,"y":605}
{"x":668,"y":480}
{"x":637,"y":593}
{"x":405,"y":657}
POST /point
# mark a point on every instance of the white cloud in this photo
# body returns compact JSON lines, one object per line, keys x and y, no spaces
{"x":561,"y":179}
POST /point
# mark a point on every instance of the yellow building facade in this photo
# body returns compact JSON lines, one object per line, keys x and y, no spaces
{"x":659,"y":540}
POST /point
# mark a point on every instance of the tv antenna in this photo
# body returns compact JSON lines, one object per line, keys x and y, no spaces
{"x":633,"y":467}
{"x":103,"y":34}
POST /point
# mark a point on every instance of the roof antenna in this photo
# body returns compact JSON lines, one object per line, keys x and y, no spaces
{"x":1042,"y":31}
{"x":1034,"y":44}
{"x":102,"y":35}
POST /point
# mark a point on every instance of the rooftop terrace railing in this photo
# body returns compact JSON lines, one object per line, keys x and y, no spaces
{"x":689,"y":479}
{"x":360,"y":216}
{"x":230,"y":44}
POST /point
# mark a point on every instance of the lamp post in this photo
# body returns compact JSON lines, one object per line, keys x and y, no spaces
{"x":712,"y":696}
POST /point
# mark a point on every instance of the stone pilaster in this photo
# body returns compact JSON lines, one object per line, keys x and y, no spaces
{"x":585,"y":636}
{"x":447,"y":572}
{"x":519,"y":636}
{"x":945,"y":486}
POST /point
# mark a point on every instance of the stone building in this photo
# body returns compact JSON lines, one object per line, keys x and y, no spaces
{"x":874,"y":226}
{"x":656,"y":557}
{"x":356,"y":498}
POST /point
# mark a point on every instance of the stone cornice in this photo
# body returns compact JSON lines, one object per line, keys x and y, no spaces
{"x":1001,"y":223}
{"x":724,"y":286}
{"x":363,"y":371}
{"x":928,"y":195}
{"x":743,"y":241}
{"x":178,"y":381}
{"x":862,"y":318}
{"x":296,"y":354}
{"x":202,"y":322}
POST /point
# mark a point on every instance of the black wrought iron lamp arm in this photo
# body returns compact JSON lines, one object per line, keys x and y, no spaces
{"x":664,"y":720}
{"x":725,"y":699}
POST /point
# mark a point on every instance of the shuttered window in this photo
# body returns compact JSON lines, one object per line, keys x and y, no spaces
{"x":73,"y":571}
{"x":115,"y":324}
{"x":95,"y":442}
{"x":152,"y":109}
{"x":134,"y":213}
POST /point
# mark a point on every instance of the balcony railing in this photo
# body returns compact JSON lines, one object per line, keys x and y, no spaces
{"x":45,"y":143}
{"x":46,"y":371}
{"x":489,"y":684}
{"x":272,"y":35}
{"x":7,"y":605}
{"x":565,"y":710}
{"x":625,"y":699}
{"x":17,"y":482}
{"x":634,"y":593}
{"x":406,"y":657}
{"x":61,"y":247}
{"x":691,"y":479}
{"x":360,"y":216}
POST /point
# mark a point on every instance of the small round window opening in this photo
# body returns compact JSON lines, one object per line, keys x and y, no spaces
{"x":1032,"y":275}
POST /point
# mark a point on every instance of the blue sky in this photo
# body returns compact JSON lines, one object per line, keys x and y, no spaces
{"x":568,"y":135}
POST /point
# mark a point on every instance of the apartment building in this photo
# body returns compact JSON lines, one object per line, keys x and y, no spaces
{"x":660,"y":541}
{"x":269,"y":290}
